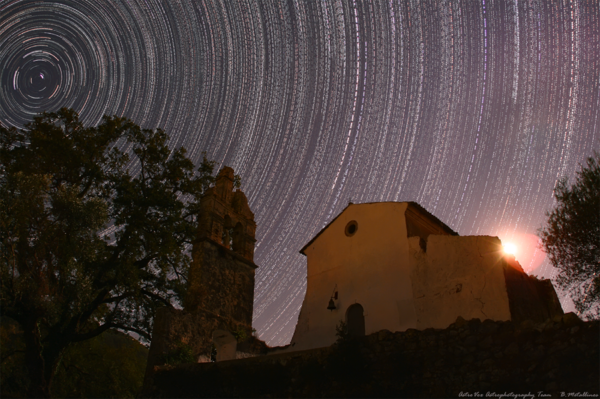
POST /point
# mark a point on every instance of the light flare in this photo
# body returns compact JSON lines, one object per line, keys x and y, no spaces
{"x":510,"y":248}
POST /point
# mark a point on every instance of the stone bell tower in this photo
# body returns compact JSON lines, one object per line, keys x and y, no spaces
{"x":220,"y":292}
{"x":221,"y":277}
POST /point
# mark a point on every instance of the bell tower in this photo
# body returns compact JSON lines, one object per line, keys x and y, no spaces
{"x":221,"y":277}
{"x":220,"y":292}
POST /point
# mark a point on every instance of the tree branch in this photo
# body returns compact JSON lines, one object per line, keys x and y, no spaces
{"x":84,"y":316}
{"x":144,"y":262}
{"x":91,"y":334}
{"x":132,"y":329}
{"x":6,"y":356}
{"x":157,"y":297}
{"x":117,"y":298}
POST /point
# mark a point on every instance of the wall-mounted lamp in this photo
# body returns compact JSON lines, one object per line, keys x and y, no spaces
{"x":334,"y":295}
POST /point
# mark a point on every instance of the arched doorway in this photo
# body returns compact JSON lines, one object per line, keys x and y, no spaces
{"x":355,"y":320}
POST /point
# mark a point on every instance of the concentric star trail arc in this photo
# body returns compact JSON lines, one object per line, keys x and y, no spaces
{"x":474,"y":109}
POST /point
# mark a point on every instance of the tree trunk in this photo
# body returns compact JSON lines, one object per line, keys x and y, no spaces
{"x":38,"y":385}
{"x":41,"y":359}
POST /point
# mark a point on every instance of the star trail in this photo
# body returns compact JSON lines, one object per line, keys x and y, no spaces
{"x":472,"y":108}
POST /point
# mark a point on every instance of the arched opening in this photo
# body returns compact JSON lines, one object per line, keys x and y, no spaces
{"x":225,"y":345}
{"x":238,"y":237}
{"x":227,"y":235}
{"x":355,"y":320}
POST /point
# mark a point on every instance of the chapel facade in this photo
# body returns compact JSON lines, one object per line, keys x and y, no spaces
{"x":395,"y":266}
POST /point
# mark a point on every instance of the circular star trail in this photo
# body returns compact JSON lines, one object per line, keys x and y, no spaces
{"x":474,"y":109}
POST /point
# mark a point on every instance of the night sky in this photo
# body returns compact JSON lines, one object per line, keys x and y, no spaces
{"x":474,"y":109}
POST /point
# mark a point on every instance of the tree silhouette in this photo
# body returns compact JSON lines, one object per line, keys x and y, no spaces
{"x":91,"y":238}
{"x":571,"y":237}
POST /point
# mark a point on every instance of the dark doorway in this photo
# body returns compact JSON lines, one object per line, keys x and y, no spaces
{"x":355,"y":320}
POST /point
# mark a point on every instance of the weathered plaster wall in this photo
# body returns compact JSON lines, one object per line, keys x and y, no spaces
{"x":560,"y":355}
{"x":458,"y":276}
{"x":371,"y":268}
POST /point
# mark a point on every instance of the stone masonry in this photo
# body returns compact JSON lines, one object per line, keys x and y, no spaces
{"x":220,"y":291}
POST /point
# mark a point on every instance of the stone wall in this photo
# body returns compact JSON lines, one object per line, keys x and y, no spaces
{"x":222,"y":282}
{"x":229,"y":299}
{"x":528,"y":297}
{"x":468,"y":359}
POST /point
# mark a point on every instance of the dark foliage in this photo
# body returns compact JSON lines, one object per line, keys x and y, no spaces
{"x":111,"y":365}
{"x":183,"y":353}
{"x":91,"y":238}
{"x":571,"y":237}
{"x":13,"y":371}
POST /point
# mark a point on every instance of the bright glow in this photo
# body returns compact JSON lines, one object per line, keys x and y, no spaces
{"x":510,"y":248}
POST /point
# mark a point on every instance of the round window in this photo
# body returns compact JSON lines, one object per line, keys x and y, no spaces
{"x":351,"y":228}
